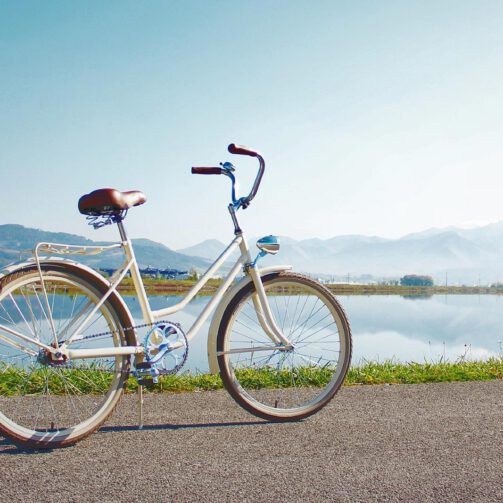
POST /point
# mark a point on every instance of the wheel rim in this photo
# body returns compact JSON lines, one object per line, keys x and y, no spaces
{"x":43,"y":402}
{"x":287,"y":383}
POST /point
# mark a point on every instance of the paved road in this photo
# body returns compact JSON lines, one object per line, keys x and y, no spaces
{"x":435,"y":442}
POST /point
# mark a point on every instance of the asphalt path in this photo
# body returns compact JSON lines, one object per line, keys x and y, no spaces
{"x":434,"y":442}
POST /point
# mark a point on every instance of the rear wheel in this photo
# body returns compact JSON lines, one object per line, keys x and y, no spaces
{"x":273,"y":382}
{"x":46,"y":403}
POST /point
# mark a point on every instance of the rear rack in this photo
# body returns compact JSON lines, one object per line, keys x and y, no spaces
{"x":63,"y":249}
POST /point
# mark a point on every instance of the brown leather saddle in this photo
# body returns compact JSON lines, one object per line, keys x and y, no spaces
{"x":109,"y":202}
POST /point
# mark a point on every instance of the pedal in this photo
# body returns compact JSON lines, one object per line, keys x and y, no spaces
{"x":148,"y":383}
{"x":144,"y":365}
{"x":146,"y":374}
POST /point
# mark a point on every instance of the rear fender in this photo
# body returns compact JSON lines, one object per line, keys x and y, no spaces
{"x":89,"y":274}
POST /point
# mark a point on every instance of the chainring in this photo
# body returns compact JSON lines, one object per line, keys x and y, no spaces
{"x":166,"y":347}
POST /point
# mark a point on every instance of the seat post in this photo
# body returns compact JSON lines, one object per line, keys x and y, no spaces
{"x":122,"y":231}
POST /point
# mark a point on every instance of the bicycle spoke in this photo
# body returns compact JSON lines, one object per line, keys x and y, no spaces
{"x":291,"y":381}
{"x":58,"y":401}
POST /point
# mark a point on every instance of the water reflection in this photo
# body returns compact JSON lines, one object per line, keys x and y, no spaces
{"x":419,"y":296}
{"x":440,"y":327}
{"x":404,"y":329}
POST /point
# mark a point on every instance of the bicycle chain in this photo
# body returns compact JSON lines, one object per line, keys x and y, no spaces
{"x":125,"y":329}
{"x":132,"y":327}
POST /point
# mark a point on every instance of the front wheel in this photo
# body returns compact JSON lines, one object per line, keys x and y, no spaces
{"x":268,"y":380}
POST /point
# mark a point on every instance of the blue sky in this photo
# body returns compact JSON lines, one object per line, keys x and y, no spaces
{"x":377,"y":118}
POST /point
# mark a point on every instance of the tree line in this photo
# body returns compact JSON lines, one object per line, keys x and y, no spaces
{"x":416,"y":280}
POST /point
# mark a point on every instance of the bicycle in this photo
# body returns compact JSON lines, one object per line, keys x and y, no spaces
{"x":280,"y":340}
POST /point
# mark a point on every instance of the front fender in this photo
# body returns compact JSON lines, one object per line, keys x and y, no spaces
{"x":219,"y":312}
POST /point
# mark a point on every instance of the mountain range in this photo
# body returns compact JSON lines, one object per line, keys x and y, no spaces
{"x":455,"y":255}
{"x":16,"y":238}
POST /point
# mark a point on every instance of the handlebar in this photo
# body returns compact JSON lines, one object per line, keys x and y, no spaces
{"x":196,"y":170}
{"x":227,"y":170}
{"x":241,"y":150}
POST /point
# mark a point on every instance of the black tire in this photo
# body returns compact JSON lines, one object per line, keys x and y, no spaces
{"x":45,"y":404}
{"x":275,"y":384}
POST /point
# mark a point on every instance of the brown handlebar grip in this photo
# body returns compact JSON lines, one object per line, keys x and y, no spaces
{"x":241,"y":150}
{"x":200,"y":170}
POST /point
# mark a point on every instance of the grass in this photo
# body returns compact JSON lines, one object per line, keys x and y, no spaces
{"x":369,"y":372}
{"x":169,"y":286}
{"x":390,"y":372}
{"x":35,"y":380}
{"x":14,"y":381}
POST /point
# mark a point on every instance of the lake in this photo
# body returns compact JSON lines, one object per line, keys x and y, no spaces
{"x":404,"y":329}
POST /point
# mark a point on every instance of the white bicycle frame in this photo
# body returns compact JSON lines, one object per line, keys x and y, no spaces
{"x":244,"y":262}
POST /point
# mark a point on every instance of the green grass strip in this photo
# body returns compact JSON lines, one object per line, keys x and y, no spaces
{"x":390,"y":372}
{"x":369,"y":372}
{"x":17,"y":381}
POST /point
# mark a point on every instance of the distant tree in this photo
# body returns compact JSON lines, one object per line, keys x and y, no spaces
{"x":416,"y":280}
{"x":193,"y":275}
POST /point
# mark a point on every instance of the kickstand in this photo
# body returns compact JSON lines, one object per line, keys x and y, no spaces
{"x":140,"y":407}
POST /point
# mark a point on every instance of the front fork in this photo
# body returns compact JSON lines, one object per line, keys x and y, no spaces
{"x":263,"y":310}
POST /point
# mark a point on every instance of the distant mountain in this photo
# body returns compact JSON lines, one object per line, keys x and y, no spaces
{"x":490,"y":234}
{"x":209,"y":249}
{"x":158,"y":255}
{"x":16,"y":238}
{"x":460,"y":256}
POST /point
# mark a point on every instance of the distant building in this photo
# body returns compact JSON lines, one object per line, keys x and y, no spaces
{"x":108,"y":271}
{"x":168,"y":273}
{"x":153,"y":273}
{"x":173,"y":274}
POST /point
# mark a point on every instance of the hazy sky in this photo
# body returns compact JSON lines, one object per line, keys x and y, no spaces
{"x":374,"y":117}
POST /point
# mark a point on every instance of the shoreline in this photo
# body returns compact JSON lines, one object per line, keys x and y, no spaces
{"x":179,"y":287}
{"x":421,"y":291}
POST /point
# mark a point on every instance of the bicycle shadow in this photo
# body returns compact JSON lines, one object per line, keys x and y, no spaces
{"x":13,"y":449}
{"x":18,"y":450}
{"x":184,"y":426}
